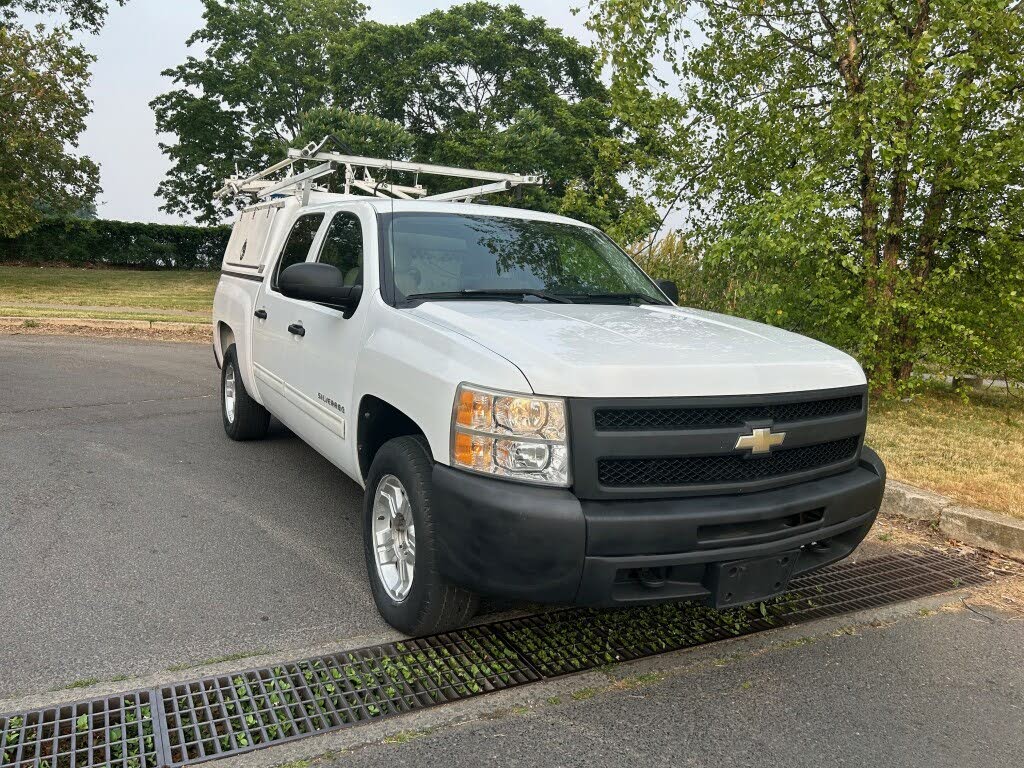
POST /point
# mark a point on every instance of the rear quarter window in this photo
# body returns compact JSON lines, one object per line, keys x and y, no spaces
{"x":300,"y":241}
{"x":343,"y":247}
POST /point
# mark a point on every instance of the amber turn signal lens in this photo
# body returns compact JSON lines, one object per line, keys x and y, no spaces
{"x":474,"y":410}
{"x":464,"y":412}
{"x":473,"y":451}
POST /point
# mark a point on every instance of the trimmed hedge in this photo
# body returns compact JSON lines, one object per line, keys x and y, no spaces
{"x":118,"y":243}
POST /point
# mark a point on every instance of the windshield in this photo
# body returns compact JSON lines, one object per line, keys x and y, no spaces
{"x":452,"y":256}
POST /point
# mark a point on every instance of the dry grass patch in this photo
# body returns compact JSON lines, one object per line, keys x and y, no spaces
{"x":971,"y":451}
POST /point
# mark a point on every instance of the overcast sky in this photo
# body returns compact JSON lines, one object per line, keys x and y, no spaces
{"x":147,"y":36}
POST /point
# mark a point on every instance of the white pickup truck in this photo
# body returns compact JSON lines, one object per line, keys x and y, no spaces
{"x":530,"y":414}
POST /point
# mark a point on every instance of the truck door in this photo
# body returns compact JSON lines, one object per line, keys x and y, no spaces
{"x":277,"y":340}
{"x":321,"y":375}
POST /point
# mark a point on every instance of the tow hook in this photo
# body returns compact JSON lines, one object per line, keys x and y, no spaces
{"x":653,"y":578}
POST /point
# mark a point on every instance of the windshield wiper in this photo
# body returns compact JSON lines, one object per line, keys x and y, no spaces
{"x":489,"y":293}
{"x":624,"y":296}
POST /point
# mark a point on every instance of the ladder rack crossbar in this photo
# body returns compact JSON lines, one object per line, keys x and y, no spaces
{"x":466,"y":195}
{"x":237,"y":186}
{"x":411,"y":167}
{"x":357,"y":174}
{"x":310,"y":175}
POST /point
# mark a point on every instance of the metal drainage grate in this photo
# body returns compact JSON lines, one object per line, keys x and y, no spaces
{"x":117,"y":731}
{"x":572,"y":640}
{"x":230,"y":714}
{"x":223,"y":715}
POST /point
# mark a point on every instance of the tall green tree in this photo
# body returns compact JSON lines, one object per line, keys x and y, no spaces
{"x":478,"y":85}
{"x":80,"y":14}
{"x":241,"y":103}
{"x":488,"y":86}
{"x":856,"y":167}
{"x":43,"y":106}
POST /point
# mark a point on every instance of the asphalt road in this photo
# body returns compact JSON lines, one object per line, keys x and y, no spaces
{"x":136,"y":536}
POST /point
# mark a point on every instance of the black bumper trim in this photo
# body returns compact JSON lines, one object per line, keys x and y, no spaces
{"x":686,"y":573}
{"x":508,"y":539}
{"x":661,"y":526}
{"x":526,"y":542}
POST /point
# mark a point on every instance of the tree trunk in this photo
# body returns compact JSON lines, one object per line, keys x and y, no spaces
{"x":921,"y":267}
{"x":869,"y":217}
{"x":897,"y":335}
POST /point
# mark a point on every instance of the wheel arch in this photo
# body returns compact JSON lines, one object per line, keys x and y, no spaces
{"x":378,"y":422}
{"x":225,"y":337}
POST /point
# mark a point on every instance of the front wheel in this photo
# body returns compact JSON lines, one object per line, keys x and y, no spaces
{"x":401,"y":544}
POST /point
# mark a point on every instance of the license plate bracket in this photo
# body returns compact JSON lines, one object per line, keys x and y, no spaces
{"x":740,"y":582}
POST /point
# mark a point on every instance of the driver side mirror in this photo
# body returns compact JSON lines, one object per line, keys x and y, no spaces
{"x":668,"y":287}
{"x":320,"y":283}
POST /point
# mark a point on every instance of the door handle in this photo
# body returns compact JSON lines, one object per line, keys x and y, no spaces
{"x":297,"y":329}
{"x":261,"y":314}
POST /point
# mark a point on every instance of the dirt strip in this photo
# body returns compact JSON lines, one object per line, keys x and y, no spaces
{"x":92,"y":308}
{"x":109,"y":329}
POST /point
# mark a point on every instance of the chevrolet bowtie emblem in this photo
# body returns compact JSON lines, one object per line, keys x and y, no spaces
{"x":761,"y":440}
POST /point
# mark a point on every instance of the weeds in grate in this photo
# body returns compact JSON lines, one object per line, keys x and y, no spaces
{"x":234,"y":713}
{"x":117,"y":732}
{"x":573,"y":640}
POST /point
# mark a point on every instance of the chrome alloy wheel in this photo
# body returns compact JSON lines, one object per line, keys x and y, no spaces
{"x":394,"y":538}
{"x":229,"y":394}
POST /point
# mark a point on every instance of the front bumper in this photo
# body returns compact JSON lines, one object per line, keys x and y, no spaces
{"x":546,"y":545}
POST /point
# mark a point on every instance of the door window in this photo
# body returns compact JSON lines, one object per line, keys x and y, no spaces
{"x":343,"y":247}
{"x":300,"y":240}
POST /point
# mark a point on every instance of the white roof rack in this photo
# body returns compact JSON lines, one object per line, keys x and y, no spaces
{"x":298,"y":177}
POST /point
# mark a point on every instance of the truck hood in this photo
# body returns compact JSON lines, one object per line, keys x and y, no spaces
{"x":591,"y":350}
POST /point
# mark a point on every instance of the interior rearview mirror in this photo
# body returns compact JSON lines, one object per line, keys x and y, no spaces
{"x":669,"y":288}
{"x":320,"y":283}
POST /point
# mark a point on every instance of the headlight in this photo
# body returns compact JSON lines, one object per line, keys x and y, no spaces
{"x":509,"y":435}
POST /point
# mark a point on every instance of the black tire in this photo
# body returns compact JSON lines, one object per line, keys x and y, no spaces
{"x":433,"y":603}
{"x":251,"y":419}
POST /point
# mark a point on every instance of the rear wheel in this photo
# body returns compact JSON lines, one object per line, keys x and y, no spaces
{"x":244,"y":418}
{"x":401,"y":544}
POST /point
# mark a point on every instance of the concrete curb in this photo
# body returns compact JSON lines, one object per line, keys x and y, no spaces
{"x":978,"y":527}
{"x":913,"y":503}
{"x":982,"y":528}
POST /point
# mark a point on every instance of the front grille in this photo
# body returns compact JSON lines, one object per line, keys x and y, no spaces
{"x":639,"y":419}
{"x":639,"y":448}
{"x":730,"y":468}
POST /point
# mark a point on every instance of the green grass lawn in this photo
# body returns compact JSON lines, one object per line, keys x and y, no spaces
{"x":120,"y":290}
